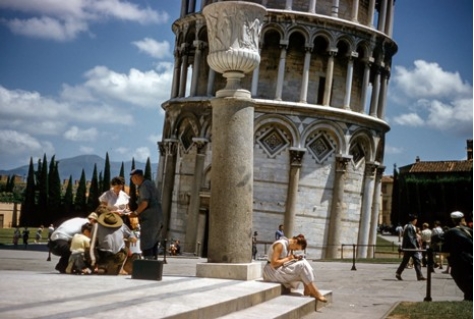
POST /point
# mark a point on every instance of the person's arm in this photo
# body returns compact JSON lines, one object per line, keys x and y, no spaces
{"x":143,"y":205}
{"x":93,"y":243}
{"x":276,"y":261}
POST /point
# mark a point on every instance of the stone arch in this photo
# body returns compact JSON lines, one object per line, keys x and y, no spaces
{"x":274,"y":134}
{"x":269,"y":29}
{"x":300,"y":30}
{"x":187,"y":127}
{"x":346,"y":41}
{"x":323,"y":139}
{"x":270,"y":52}
{"x":324,"y":35}
{"x":361,"y":146}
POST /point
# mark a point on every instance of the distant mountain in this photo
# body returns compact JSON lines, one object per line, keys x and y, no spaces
{"x":73,"y":167}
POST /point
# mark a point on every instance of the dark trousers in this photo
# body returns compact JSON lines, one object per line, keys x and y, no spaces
{"x":61,"y":248}
{"x":416,"y":263}
{"x":151,"y":253}
{"x":462,"y":275}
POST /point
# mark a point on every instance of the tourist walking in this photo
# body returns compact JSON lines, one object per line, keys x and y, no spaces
{"x":410,"y":242}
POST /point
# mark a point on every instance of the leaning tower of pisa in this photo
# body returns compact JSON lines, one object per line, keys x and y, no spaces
{"x":319,"y":95}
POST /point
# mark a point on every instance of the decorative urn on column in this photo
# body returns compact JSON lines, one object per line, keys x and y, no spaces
{"x":233,"y":33}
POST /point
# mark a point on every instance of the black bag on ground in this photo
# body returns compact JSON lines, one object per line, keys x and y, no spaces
{"x":147,"y":269}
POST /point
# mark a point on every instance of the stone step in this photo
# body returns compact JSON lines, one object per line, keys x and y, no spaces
{"x":290,"y":306}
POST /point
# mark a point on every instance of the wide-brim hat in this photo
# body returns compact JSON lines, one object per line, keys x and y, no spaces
{"x":110,"y":220}
{"x":457,"y":215}
{"x":93,"y":216}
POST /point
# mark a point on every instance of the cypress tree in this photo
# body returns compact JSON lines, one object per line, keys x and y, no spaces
{"x":106,"y":181}
{"x":80,"y":204}
{"x":122,"y":171}
{"x":28,"y":205}
{"x":147,"y":173}
{"x":54,"y":204}
{"x":132,"y":203}
{"x":43,"y":185}
{"x":101,"y":180}
{"x":93,"y":198}
{"x":68,"y":198}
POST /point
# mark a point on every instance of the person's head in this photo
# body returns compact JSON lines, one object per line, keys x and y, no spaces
{"x":255,"y":233}
{"x":92,"y":218}
{"x":280,"y":227}
{"x":86,"y":229}
{"x":117,"y":184}
{"x":437,"y":223}
{"x":426,"y":225}
{"x":458,"y":218}
{"x":412,"y":218}
{"x":298,"y":243}
{"x":136,"y":176}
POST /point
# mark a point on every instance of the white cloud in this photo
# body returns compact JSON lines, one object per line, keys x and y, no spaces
{"x":76,"y":134}
{"x":86,"y":150}
{"x":15,"y":143}
{"x":429,"y":80}
{"x":153,"y":48}
{"x":455,"y":117}
{"x":141,"y":154}
{"x":154,"y":138}
{"x":411,"y":119}
{"x":393,"y":150}
{"x":146,"y":89}
{"x":65,"y":20}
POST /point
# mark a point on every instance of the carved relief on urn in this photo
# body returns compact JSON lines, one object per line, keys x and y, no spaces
{"x":233,"y":33}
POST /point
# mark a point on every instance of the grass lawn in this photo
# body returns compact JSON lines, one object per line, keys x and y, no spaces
{"x":6,"y":235}
{"x":432,"y":310}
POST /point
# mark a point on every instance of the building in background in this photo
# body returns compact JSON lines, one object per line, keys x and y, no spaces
{"x":319,"y":131}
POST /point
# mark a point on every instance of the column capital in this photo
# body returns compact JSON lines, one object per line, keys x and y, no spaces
{"x":341,"y":162}
{"x":296,"y":156}
{"x":332,"y":51}
{"x":380,"y":170}
{"x":161,"y":148}
{"x":371,"y":167}
{"x":284,"y":44}
{"x":171,"y":146}
{"x":199,"y":44}
{"x":200,"y":143}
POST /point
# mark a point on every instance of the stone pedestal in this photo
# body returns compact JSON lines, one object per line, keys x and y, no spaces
{"x":247,"y":271}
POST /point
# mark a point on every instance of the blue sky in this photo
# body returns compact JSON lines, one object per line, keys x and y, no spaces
{"x":88,"y":77}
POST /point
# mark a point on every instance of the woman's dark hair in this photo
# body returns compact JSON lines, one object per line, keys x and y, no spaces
{"x":117,"y":181}
{"x":300,"y":240}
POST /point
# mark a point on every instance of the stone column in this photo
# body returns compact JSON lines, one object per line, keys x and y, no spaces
{"x":197,"y":63}
{"x":233,"y":32}
{"x":365,"y":83}
{"x":255,"y":75}
{"x":171,"y":148}
{"x":367,"y":197}
{"x":337,"y":207}
{"x":382,"y":16}
{"x":312,"y":6}
{"x":355,"y":10}
{"x":177,"y":67}
{"x":193,"y":210}
{"x":192,"y":6}
{"x":375,"y":92}
{"x":184,"y":8}
{"x":289,"y":4}
{"x":184,"y":70}
{"x":210,"y":82}
{"x":390,"y":14}
{"x":374,"y":217}
{"x":335,"y":8}
{"x":383,"y":94}
{"x":296,"y":157}
{"x":281,"y":70}
{"x":371,"y":13}
{"x":304,"y":85}
{"x":350,"y":70}
{"x":160,"y":172}
{"x":329,"y":76}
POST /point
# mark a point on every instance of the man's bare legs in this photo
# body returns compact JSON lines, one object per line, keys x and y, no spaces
{"x":312,"y":290}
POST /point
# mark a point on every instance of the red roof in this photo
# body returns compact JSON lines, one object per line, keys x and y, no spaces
{"x":441,"y":167}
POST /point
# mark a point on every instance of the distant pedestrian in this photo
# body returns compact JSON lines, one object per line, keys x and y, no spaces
{"x":25,"y":235}
{"x":254,"y":245}
{"x":279,"y":233}
{"x":425,"y":241}
{"x":457,"y":241}
{"x":399,"y":230}
{"x":38,"y":234}
{"x":16,"y":236}
{"x":50,"y":231}
{"x":410,"y":241}
{"x":436,"y":232}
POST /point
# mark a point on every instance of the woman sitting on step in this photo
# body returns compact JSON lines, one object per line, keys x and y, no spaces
{"x":288,"y":269}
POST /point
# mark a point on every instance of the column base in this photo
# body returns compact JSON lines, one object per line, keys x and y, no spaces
{"x":249,"y":271}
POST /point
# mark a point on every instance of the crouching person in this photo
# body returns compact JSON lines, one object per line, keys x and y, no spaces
{"x":79,"y":263}
{"x":108,"y":250}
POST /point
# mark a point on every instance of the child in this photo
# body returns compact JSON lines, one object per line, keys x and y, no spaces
{"x":79,"y":245}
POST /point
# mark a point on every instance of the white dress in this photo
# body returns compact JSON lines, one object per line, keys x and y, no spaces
{"x":115,"y":202}
{"x":290,"y":276}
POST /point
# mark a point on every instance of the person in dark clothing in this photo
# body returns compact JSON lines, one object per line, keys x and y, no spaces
{"x":457,"y":241}
{"x":410,"y":241}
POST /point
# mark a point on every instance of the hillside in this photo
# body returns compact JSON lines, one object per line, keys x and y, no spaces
{"x":73,"y":167}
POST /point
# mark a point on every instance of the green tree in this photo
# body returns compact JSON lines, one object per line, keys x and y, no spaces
{"x":28,"y":205}
{"x":43,"y":189}
{"x":106,"y":181}
{"x":68,"y":200}
{"x":93,"y":198}
{"x":80,"y":204}
{"x":54,"y":203}
{"x":147,"y":173}
{"x":122,"y":171}
{"x":132,"y":203}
